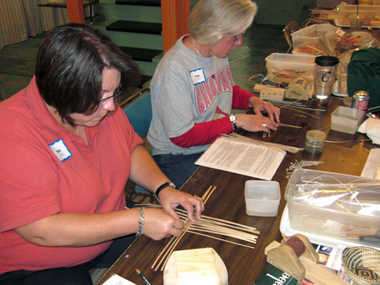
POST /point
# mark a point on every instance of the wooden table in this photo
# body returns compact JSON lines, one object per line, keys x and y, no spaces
{"x":227,"y":202}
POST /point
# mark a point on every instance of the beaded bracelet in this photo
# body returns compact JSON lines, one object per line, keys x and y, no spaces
{"x":141,"y":222}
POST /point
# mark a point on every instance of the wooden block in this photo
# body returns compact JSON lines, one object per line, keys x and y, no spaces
{"x":283,"y":257}
{"x":201,"y":266}
{"x":310,"y":252}
{"x":320,"y":275}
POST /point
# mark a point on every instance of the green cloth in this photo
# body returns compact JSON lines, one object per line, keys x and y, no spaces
{"x":363,"y":73}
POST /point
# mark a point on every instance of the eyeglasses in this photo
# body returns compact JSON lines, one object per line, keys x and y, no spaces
{"x":238,"y":36}
{"x":118,"y":91}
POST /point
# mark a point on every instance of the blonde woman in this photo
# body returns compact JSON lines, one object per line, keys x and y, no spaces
{"x":193,"y":91}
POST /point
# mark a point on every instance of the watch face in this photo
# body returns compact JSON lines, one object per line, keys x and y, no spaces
{"x":233,"y":121}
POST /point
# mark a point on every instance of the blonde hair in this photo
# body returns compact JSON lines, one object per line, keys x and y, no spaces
{"x":211,"y":20}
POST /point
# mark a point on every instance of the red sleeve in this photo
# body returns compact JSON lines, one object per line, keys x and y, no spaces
{"x":204,"y":133}
{"x":240,"y":98}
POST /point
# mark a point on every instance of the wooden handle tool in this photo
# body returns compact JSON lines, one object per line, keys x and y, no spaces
{"x":297,"y":257}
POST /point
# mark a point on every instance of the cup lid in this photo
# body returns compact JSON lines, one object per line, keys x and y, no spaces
{"x":315,"y":135}
{"x":326,"y":60}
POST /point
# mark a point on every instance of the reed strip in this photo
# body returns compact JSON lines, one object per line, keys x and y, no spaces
{"x":190,"y":231}
{"x":222,"y":222}
{"x":169,"y":248}
{"x":169,"y":253}
{"x":205,"y":195}
{"x":209,"y":195}
{"x":302,"y":112}
{"x":229,"y":233}
{"x":216,"y":227}
{"x":291,"y":103}
{"x":162,"y":252}
{"x":223,"y":230}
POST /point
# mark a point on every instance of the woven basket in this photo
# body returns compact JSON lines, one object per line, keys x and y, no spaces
{"x":362,"y":265}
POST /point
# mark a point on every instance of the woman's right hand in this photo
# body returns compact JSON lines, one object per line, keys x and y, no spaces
{"x":255,"y":123}
{"x":158,"y":224}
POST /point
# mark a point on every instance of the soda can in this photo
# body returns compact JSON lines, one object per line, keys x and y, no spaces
{"x":360,"y":100}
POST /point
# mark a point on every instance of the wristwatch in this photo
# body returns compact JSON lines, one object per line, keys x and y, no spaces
{"x":233,"y":120}
{"x":163,"y":186}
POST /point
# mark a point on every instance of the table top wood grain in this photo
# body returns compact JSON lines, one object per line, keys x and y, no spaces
{"x":245,"y":265}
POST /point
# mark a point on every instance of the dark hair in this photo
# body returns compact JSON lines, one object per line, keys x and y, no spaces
{"x":70,"y":62}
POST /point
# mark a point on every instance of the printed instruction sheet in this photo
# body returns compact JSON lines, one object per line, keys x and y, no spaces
{"x":372,"y":166}
{"x":243,"y":158}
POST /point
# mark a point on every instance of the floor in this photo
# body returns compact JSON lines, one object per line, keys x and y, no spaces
{"x":17,"y":65}
{"x":17,"y":61}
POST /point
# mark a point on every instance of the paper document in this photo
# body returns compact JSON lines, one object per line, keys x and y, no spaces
{"x":117,"y":280}
{"x":243,"y":158}
{"x":372,"y":166}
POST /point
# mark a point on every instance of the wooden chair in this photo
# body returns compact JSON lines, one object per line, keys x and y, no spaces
{"x":290,"y":28}
{"x":139,"y":112}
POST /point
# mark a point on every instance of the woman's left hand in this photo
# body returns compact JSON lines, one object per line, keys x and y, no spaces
{"x":259,"y":106}
{"x":171,"y":198}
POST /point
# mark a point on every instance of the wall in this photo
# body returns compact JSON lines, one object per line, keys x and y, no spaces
{"x":281,"y":12}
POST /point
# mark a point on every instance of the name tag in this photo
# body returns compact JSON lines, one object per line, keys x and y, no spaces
{"x":60,"y":150}
{"x":198,"y":76}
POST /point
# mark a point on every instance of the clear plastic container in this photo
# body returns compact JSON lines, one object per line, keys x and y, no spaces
{"x":262,"y":198}
{"x":370,"y":14}
{"x":315,"y":141}
{"x":346,"y":120}
{"x":331,"y":4}
{"x":309,"y":40}
{"x":332,"y":203}
{"x":286,"y":67}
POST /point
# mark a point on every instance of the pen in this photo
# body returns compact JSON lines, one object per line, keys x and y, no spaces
{"x":358,"y":235}
{"x":366,"y":238}
{"x":142,"y":277}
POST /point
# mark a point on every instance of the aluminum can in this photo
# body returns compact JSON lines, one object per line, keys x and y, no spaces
{"x":360,"y":101}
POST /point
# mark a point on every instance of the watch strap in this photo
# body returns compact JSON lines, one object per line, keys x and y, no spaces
{"x":163,"y":186}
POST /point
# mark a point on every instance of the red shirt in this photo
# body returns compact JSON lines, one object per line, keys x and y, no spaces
{"x":35,"y":184}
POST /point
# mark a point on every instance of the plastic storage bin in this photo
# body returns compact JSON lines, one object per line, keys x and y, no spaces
{"x":332,"y":204}
{"x":371,"y":14}
{"x":262,"y":198}
{"x":285,"y":67}
{"x":346,"y":120}
{"x":315,"y":39}
{"x":331,"y":4}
